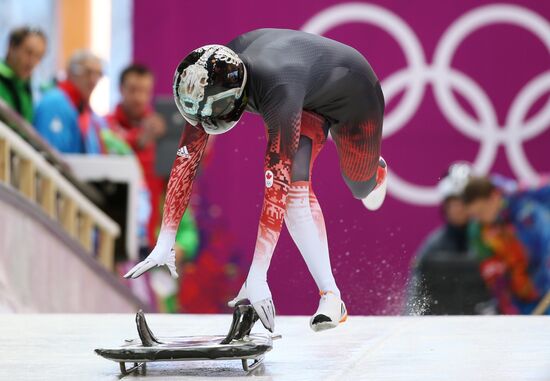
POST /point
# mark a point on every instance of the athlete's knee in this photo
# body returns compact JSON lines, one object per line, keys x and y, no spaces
{"x":302,"y":160}
{"x":360,"y":189}
{"x":297,"y":203}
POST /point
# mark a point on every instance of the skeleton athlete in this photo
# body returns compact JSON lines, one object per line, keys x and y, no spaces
{"x":303,"y":86}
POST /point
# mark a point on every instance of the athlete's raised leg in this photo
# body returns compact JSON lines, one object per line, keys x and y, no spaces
{"x":358,"y":145}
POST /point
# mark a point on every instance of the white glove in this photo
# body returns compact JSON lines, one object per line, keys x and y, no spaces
{"x":162,"y":254}
{"x":264,"y":308}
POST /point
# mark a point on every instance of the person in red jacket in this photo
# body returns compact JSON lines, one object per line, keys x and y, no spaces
{"x":135,"y":120}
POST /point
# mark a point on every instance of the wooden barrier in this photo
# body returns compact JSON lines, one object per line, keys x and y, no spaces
{"x":24,"y":169}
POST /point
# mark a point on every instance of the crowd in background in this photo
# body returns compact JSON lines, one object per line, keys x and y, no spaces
{"x":63,"y":117}
{"x":491,"y":255}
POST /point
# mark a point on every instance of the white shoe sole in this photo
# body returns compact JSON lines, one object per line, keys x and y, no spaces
{"x":323,"y":326}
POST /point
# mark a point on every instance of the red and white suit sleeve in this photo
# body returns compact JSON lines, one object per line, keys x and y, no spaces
{"x":190,"y":150}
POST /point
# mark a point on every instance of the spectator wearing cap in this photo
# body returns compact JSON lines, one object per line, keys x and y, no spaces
{"x":26,"y":47}
{"x":64,"y":116}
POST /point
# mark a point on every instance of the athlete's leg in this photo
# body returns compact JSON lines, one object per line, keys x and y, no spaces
{"x":311,"y":241}
{"x":304,"y":218}
{"x":358,"y":145}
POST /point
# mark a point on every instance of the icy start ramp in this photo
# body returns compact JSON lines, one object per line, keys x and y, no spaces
{"x":55,"y":347}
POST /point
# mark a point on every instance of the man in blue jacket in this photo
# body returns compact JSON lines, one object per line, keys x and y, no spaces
{"x":64,"y":116}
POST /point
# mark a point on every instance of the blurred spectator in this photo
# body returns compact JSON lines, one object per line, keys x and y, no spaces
{"x":26,"y":47}
{"x":512,"y":241}
{"x":445,"y":277}
{"x":135,"y":120}
{"x":64,"y":117}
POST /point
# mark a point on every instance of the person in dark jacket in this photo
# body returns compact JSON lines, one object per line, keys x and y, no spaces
{"x":445,"y":277}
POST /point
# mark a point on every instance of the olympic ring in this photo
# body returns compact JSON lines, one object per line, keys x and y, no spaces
{"x":418,"y":74}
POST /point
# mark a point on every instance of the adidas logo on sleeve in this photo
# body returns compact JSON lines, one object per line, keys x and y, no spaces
{"x":183,"y":152}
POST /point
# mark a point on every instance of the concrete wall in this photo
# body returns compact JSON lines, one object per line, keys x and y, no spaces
{"x":44,"y":270}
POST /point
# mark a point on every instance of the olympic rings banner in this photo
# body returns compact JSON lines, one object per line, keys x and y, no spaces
{"x":463,"y":80}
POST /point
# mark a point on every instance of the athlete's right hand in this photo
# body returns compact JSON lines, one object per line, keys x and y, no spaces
{"x":160,"y":256}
